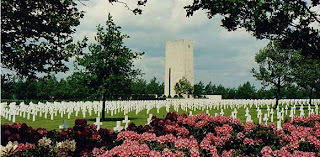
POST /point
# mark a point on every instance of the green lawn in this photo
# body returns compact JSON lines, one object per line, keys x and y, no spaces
{"x":139,"y":119}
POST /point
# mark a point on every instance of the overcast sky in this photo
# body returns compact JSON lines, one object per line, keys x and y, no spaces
{"x":220,"y":56}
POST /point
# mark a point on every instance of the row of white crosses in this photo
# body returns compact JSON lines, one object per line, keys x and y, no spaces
{"x":114,"y":107}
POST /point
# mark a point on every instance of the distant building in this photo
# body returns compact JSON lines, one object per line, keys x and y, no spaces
{"x":179,"y":63}
{"x":214,"y":97}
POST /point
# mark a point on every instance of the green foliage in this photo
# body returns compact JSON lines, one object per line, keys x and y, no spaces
{"x":209,"y":88}
{"x":109,"y":64}
{"x":35,"y":35}
{"x":183,"y":86}
{"x":306,"y":72}
{"x":77,"y":87}
{"x":246,"y":91}
{"x":198,"y":90}
{"x":139,"y":87}
{"x":155,"y":87}
{"x":274,"y":67}
{"x":291,"y":22}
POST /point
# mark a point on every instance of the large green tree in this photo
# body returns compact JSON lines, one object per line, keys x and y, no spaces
{"x":306,"y":73}
{"x":109,"y":64}
{"x":35,"y":35}
{"x":274,"y":67}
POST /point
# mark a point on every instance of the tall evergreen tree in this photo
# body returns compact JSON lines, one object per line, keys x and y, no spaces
{"x":109,"y":64}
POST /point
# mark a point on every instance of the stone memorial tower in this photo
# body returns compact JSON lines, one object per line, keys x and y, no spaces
{"x":179,"y":63}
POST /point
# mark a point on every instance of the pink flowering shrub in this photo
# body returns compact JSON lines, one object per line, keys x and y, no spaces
{"x":175,"y":135}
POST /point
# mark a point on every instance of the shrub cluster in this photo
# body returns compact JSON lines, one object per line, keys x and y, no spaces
{"x":174,"y":135}
{"x":84,"y":137}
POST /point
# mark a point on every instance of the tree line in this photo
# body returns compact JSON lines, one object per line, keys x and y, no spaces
{"x":76,"y":87}
{"x":249,"y":91}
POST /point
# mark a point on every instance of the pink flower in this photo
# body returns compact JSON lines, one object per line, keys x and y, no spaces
{"x":166,"y":138}
{"x":303,"y":154}
{"x":224,"y":130}
{"x":154,"y":153}
{"x":96,"y":136}
{"x":315,"y":141}
{"x":144,"y":150}
{"x":161,"y":139}
{"x":93,"y":126}
{"x":248,"y":141}
{"x":128,"y":135}
{"x":201,"y":123}
{"x":30,"y":145}
{"x":16,"y":125}
{"x":167,"y":152}
{"x":170,"y":138}
{"x":317,"y":133}
{"x":194,"y":152}
{"x":240,"y":135}
{"x":205,"y":143}
{"x":282,"y":153}
{"x":63,"y":152}
{"x":169,"y":128}
{"x":42,"y":131}
{"x":182,"y":131}
{"x":249,"y":126}
{"x":96,"y":151}
{"x":20,"y":147}
{"x":214,"y":152}
{"x":179,"y":154}
{"x":148,"y":137}
{"x":229,"y":153}
{"x":266,"y":151}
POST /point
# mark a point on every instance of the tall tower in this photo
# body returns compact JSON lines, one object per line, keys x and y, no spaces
{"x":179,"y":63}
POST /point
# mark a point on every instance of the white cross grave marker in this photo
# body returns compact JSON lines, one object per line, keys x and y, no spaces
{"x":221,"y":112}
{"x":64,"y":125}
{"x":98,"y":123}
{"x":118,"y":127}
{"x":149,"y":119}
{"x":126,"y":121}
{"x":265,"y":118}
{"x":271,"y":117}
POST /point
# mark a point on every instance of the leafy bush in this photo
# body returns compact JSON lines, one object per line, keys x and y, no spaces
{"x":174,"y":135}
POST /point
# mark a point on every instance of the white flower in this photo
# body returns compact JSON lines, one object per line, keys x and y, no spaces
{"x":44,"y":141}
{"x":68,"y":145}
{"x":9,"y":149}
{"x":72,"y":145}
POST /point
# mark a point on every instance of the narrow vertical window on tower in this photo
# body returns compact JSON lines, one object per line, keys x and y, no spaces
{"x":169,"y":81}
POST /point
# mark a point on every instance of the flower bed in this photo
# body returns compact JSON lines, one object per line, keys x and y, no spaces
{"x":175,"y":135}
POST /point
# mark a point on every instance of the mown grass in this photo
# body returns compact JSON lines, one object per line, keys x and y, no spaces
{"x":139,"y":119}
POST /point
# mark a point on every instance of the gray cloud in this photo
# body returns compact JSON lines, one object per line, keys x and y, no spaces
{"x":219,"y":56}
